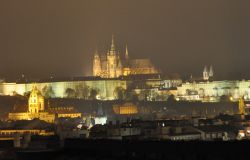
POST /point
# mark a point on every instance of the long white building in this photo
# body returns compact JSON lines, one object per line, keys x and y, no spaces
{"x":104,"y":88}
{"x":213,"y":90}
{"x":206,"y":91}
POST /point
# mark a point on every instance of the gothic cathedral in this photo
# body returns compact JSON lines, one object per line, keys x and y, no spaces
{"x":113,"y":65}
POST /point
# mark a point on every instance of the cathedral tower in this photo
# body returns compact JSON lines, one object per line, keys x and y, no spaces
{"x":205,"y":74}
{"x":113,"y":59}
{"x":211,"y":71}
{"x":96,"y":65}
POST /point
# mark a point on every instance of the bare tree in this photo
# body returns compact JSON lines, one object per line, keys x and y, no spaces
{"x":48,"y":92}
{"x":70,"y":93}
{"x":119,"y":93}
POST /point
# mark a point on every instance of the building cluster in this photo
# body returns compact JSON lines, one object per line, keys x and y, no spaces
{"x":222,"y":128}
{"x":36,"y":109}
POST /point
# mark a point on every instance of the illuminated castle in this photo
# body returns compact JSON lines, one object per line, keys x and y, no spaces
{"x":113,"y":64}
{"x":36,"y":109}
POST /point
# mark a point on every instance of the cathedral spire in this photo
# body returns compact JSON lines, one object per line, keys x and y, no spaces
{"x":126,"y":53}
{"x":112,"y":43}
{"x":96,"y":52}
{"x":211,"y":71}
{"x":205,"y":74}
{"x":96,"y":64}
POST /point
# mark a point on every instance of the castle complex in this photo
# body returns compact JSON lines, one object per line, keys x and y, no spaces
{"x":113,"y":65}
{"x":36,"y":109}
{"x":115,"y":73}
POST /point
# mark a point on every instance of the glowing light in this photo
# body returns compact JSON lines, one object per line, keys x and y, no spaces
{"x":79,"y":126}
{"x":231,"y":98}
{"x":98,"y":97}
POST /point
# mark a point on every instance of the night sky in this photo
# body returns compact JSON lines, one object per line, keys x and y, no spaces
{"x":40,"y":38}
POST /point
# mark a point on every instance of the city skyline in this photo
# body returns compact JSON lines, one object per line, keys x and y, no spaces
{"x":38,"y":42}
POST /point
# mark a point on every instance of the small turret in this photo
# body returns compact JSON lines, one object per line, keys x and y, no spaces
{"x":211,"y":71}
{"x":241,"y":107}
{"x":112,"y":49}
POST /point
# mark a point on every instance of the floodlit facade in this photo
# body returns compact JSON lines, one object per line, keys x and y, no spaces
{"x":127,"y":108}
{"x":213,"y":90}
{"x":67,"y":89}
{"x":36,"y":109}
{"x":206,"y":91}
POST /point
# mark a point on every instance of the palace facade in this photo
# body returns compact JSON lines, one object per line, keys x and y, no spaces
{"x":211,"y":91}
{"x":113,"y":64}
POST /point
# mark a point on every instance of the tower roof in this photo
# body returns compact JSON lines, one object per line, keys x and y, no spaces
{"x":211,"y":71}
{"x":35,"y":91}
{"x":126,"y":52}
{"x":112,"y":44}
{"x":96,"y":53}
{"x":205,"y":69}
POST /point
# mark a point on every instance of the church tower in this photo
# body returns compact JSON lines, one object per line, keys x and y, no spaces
{"x":205,"y":74}
{"x":36,"y":101}
{"x":126,"y":53}
{"x":112,"y":61}
{"x":96,"y":65}
{"x":241,"y":107}
{"x":126,"y":69}
{"x":211,"y":72}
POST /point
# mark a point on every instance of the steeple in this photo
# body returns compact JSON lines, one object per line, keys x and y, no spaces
{"x":205,"y":69}
{"x":126,"y":52}
{"x":96,"y":64}
{"x":205,"y":74}
{"x":112,"y":44}
{"x":211,"y":71}
{"x":96,"y":53}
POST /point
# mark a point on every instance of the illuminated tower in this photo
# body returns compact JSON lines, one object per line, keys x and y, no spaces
{"x":205,"y":74}
{"x":241,"y":107}
{"x":126,"y":53}
{"x":36,"y":101}
{"x":211,"y":72}
{"x":113,"y":60}
{"x":126,"y":69}
{"x":119,"y":67}
{"x":96,"y":65}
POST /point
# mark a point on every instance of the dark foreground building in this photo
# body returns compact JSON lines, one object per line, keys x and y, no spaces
{"x":111,"y":149}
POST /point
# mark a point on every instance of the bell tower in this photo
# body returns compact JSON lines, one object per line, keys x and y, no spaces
{"x":96,"y":64}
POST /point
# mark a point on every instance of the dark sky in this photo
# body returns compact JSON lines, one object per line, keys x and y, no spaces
{"x":38,"y":38}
